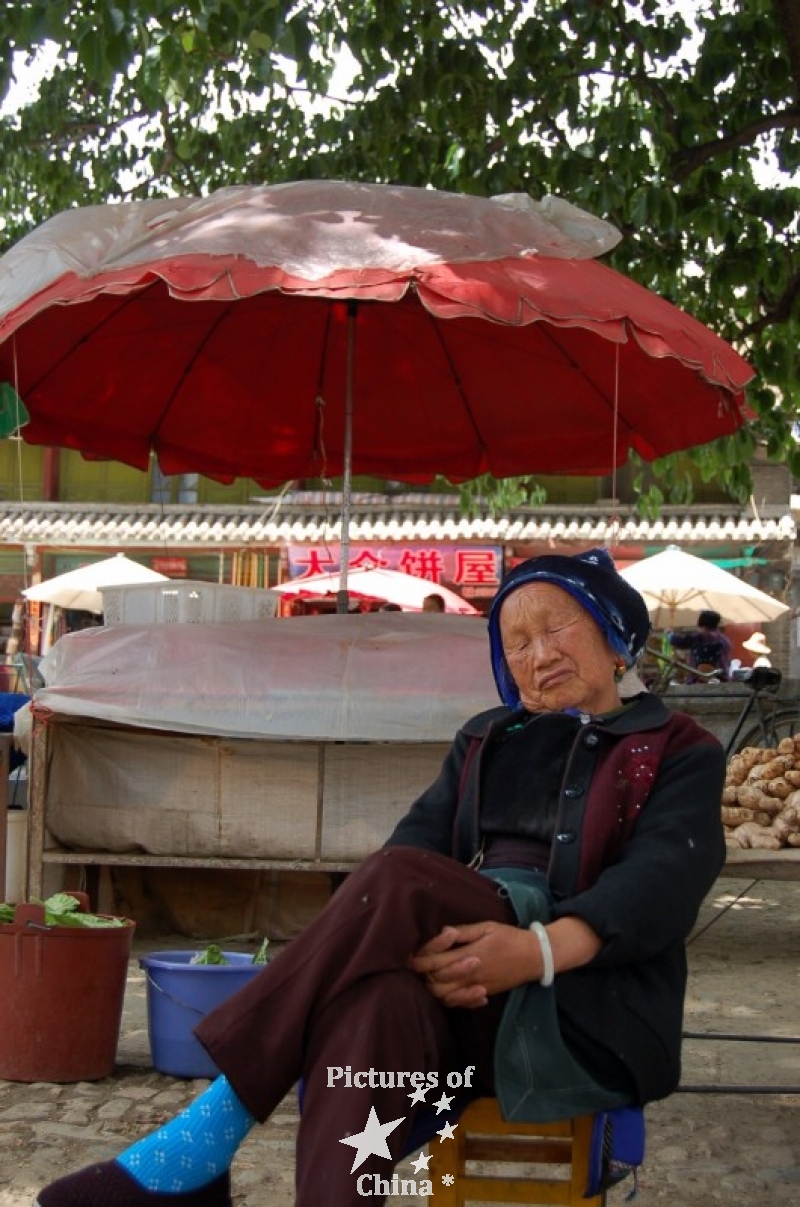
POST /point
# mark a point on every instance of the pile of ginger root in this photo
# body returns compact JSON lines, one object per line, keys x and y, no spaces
{"x":761,"y":797}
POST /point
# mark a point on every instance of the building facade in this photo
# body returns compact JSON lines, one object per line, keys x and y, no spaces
{"x":57,"y":513}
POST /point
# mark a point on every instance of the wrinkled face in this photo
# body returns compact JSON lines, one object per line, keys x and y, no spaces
{"x":556,"y":652}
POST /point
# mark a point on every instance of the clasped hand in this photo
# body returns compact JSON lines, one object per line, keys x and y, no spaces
{"x":466,"y":965}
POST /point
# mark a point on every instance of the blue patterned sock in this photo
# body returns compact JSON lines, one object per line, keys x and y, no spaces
{"x":195,"y":1147}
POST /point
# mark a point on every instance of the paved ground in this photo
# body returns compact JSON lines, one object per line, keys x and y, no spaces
{"x":704,"y":1149}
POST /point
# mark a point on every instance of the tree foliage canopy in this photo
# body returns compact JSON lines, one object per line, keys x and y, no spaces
{"x":680,"y":123}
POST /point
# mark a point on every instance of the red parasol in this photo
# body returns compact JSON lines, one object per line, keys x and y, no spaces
{"x":330,"y":328}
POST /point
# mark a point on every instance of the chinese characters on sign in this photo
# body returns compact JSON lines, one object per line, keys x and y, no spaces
{"x":173,"y":567}
{"x":473,"y":570}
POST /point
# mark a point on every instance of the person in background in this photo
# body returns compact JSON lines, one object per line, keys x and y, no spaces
{"x":523,"y":927}
{"x":707,"y":647}
{"x":433,"y":603}
{"x":757,"y":644}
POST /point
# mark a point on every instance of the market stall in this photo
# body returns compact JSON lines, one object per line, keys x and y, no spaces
{"x":291,"y":744}
{"x":286,"y":746}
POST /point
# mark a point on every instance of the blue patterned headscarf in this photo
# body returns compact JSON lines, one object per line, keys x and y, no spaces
{"x":592,"y":579}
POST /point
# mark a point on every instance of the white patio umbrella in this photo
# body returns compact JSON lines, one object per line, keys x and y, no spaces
{"x":391,"y":586}
{"x":80,"y":589}
{"x":677,"y":586}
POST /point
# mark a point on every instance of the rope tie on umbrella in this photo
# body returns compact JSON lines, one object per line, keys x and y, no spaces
{"x":614,"y":526}
{"x":20,"y":404}
{"x":320,"y":456}
{"x":22,"y":613}
{"x":321,"y":461}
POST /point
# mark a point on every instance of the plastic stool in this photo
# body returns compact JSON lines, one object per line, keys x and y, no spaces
{"x":534,"y":1163}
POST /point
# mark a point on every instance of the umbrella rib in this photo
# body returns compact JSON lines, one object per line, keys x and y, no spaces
{"x":187,"y":367}
{"x":456,"y":377}
{"x":549,"y":332}
{"x":114,"y":312}
{"x":35,"y":383}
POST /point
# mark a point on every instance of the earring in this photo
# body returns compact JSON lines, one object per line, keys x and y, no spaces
{"x":619,"y":670}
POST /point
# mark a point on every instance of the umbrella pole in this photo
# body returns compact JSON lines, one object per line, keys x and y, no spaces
{"x":342,"y":595}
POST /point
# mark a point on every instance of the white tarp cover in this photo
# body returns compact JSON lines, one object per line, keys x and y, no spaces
{"x":277,"y":224}
{"x":383,"y":676}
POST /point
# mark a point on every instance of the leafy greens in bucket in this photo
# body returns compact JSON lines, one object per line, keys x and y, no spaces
{"x":211,"y":955}
{"x":215,"y":955}
{"x":62,"y":909}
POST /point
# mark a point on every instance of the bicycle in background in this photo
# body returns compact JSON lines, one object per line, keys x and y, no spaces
{"x":775,"y":718}
{"x":765,"y":717}
{"x":670,"y":669}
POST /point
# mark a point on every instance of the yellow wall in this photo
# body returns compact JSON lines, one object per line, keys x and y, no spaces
{"x":82,"y":481}
{"x":20,"y":471}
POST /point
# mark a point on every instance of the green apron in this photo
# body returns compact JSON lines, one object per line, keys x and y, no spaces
{"x":537,"y":1079}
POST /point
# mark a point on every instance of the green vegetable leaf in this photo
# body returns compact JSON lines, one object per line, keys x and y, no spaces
{"x":80,"y":919}
{"x":261,"y":955}
{"x":62,"y":909}
{"x":62,"y":903}
{"x":211,"y":955}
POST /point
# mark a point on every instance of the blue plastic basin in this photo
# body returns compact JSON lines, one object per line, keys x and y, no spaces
{"x":179,"y":995}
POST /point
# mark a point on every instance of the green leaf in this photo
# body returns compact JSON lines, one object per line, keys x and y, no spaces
{"x":209,"y":955}
{"x":260,"y":956}
{"x":62,"y":909}
{"x":13,"y":412}
{"x":62,"y":903}
{"x":258,"y":41}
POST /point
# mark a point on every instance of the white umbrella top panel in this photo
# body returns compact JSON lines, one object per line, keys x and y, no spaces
{"x":677,"y":586}
{"x":80,"y":589}
{"x":405,"y":590}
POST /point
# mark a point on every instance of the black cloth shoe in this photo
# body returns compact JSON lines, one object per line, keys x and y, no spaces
{"x":109,"y":1185}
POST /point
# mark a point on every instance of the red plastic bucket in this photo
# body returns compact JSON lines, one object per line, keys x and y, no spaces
{"x":61,"y":994}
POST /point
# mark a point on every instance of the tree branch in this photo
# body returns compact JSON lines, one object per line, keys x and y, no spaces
{"x":688,"y":159}
{"x":646,"y":82}
{"x":788,"y":15}
{"x":777,"y":311}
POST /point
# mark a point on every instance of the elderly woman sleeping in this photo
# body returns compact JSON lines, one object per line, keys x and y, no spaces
{"x":522,"y":933}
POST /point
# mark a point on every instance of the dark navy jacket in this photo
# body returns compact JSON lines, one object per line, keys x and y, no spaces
{"x":638,"y":845}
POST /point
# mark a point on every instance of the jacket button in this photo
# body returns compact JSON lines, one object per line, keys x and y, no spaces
{"x":566,"y":836}
{"x":591,"y":739}
{"x":574,"y":790}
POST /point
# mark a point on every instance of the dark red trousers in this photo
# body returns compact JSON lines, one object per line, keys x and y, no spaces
{"x":341,"y":994}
